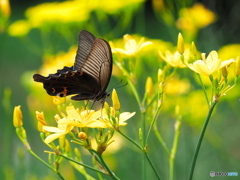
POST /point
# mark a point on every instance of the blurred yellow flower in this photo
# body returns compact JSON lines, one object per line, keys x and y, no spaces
{"x":115,"y":5}
{"x":19,"y":28}
{"x":176,"y":86}
{"x":175,"y":60}
{"x":229,"y":51}
{"x":5,"y":9}
{"x":191,"y":19}
{"x":73,"y":11}
{"x":55,"y":12}
{"x":237,"y":67}
{"x":209,"y":65}
{"x":52,"y":63}
{"x":131,"y":46}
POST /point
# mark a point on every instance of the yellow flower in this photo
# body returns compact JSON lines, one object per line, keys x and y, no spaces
{"x":175,"y":86}
{"x":5,"y":9}
{"x":17,"y":117}
{"x":229,"y":51}
{"x":209,"y":65}
{"x":237,"y":67}
{"x":174,"y":60}
{"x":84,"y":118}
{"x":131,"y":46}
{"x":195,"y":17}
{"x":59,"y":12}
{"x":114,"y":120}
{"x":19,"y":28}
{"x":59,"y":131}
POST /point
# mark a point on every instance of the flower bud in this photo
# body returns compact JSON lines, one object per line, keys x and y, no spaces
{"x":82,"y":135}
{"x":193,"y":49}
{"x":115,"y":100}
{"x":58,"y":100}
{"x":149,"y":86}
{"x":107,"y":108}
{"x":41,"y":121}
{"x":224,"y":72}
{"x":160,"y":76}
{"x":17,"y":117}
{"x":180,"y":44}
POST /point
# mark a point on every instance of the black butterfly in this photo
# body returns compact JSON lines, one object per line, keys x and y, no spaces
{"x":88,"y":78}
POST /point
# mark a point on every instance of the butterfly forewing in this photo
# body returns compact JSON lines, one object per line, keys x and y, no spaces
{"x":99,"y":63}
{"x":85,"y":41}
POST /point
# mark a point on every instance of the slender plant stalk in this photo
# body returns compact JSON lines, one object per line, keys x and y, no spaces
{"x":144,"y":151}
{"x":129,"y":139}
{"x":174,"y":149}
{"x":152,"y":123}
{"x":102,"y":162}
{"x":204,"y":90}
{"x":200,"y":141}
{"x":81,"y":164}
{"x":153,"y":167}
{"x":160,"y":139}
{"x":107,"y":168}
{"x":46,"y":164}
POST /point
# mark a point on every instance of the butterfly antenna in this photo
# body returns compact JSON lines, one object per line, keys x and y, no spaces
{"x":118,"y":86}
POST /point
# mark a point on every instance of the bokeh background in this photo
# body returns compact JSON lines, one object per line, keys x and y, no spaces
{"x":31,"y":41}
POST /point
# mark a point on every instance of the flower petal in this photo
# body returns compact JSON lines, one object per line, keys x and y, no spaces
{"x":52,"y":129}
{"x":125,"y":116}
{"x":54,"y":136}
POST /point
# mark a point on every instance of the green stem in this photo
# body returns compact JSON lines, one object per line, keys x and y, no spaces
{"x":102,"y":162}
{"x":144,"y":151}
{"x":153,"y":167}
{"x":152,"y":124}
{"x":129,"y":139}
{"x":200,"y":140}
{"x":174,"y":149}
{"x":143,"y":113}
{"x":204,"y":90}
{"x":135,"y":94}
{"x":46,"y":164}
{"x":107,"y":168}
{"x":160,"y":139}
{"x":81,"y":164}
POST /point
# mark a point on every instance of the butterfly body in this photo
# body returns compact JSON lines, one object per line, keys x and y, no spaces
{"x":88,"y":78}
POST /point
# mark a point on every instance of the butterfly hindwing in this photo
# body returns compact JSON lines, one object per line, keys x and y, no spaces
{"x":67,"y":82}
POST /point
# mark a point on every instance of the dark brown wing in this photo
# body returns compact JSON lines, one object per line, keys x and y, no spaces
{"x":85,"y":42}
{"x":99,"y":64}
